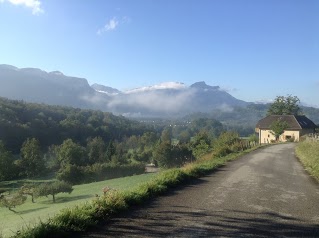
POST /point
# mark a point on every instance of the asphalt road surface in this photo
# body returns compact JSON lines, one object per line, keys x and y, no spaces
{"x":266,"y":193}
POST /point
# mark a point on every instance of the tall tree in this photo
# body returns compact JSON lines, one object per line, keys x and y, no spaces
{"x":285,"y":106}
{"x":71,"y":153}
{"x":31,"y":161}
{"x":166,"y":135}
{"x":8,"y":169}
{"x":96,"y":150}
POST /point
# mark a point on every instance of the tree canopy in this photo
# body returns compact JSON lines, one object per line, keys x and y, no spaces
{"x":285,"y":106}
{"x":54,"y":188}
{"x":278,"y":127}
{"x":31,"y":162}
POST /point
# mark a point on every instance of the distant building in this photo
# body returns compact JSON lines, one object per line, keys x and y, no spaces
{"x":297,"y":127}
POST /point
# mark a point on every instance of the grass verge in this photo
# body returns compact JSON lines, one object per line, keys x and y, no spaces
{"x":308,"y":154}
{"x":30,"y":214}
{"x":80,"y":218}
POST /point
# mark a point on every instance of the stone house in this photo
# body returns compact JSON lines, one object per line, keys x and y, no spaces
{"x":297,"y":127}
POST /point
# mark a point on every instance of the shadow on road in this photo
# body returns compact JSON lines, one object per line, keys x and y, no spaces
{"x":183,"y":222}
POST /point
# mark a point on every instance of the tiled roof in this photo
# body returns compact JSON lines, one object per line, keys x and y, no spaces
{"x":294,"y":122}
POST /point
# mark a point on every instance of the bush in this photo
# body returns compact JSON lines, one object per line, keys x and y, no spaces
{"x":98,"y":172}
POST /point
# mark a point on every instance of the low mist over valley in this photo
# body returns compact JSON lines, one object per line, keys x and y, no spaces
{"x":170,"y":100}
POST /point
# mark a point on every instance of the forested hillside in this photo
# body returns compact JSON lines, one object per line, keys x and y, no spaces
{"x":78,"y":145}
{"x":53,"y":124}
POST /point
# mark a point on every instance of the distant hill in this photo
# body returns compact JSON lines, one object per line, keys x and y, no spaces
{"x":169,"y":99}
{"x":35,"y":85}
{"x":165,"y":100}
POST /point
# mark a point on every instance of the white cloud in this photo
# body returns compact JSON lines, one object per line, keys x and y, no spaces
{"x":229,"y":89}
{"x":165,"y":85}
{"x":35,"y":5}
{"x":111,"y":25}
{"x":158,"y":101}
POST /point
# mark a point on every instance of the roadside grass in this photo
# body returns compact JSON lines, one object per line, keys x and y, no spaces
{"x":308,"y":154}
{"x":29,"y":214}
{"x":81,"y":217}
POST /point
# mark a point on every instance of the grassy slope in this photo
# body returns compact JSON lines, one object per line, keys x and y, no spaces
{"x":30,"y":213}
{"x":80,"y":218}
{"x":308,"y":153}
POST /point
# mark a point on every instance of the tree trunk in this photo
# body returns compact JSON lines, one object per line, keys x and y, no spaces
{"x":10,"y":208}
{"x":53,"y":195}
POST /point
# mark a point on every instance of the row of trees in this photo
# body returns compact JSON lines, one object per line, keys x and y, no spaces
{"x":72,"y":157}
{"x":10,"y":201}
{"x":167,"y":155}
{"x":51,"y":125}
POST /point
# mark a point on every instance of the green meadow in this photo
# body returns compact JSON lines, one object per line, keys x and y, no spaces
{"x":30,"y":213}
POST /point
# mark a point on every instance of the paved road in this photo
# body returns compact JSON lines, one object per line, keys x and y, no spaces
{"x":264,"y":194}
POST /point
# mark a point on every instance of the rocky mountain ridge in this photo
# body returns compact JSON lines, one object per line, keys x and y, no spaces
{"x":162,"y":100}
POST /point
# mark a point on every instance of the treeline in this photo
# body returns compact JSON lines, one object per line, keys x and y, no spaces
{"x":100,"y":159}
{"x":243,"y":119}
{"x":80,"y":146}
{"x":54,"y":124}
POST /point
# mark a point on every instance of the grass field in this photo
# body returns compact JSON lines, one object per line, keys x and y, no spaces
{"x":30,"y":213}
{"x":308,"y":153}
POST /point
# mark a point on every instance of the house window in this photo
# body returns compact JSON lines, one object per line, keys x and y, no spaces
{"x":288,"y":137}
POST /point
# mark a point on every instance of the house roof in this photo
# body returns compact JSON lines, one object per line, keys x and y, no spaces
{"x":294,"y":122}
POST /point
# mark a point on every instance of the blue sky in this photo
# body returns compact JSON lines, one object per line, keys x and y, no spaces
{"x":256,"y":50}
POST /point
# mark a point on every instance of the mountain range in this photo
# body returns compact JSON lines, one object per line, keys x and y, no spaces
{"x":170,"y":99}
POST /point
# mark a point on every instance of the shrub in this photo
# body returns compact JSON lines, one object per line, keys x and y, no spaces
{"x":98,"y":172}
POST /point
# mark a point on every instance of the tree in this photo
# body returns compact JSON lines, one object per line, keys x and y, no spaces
{"x":184,"y":137}
{"x":110,"y":151}
{"x":285,"y":106}
{"x":71,"y":173}
{"x":278,"y":127}
{"x":53,"y":189}
{"x":71,"y":153}
{"x":163,"y":154}
{"x":7,"y":166}
{"x":166,"y":135}
{"x":201,"y":144}
{"x":11,"y":201}
{"x":31,"y":160}
{"x":168,"y":156}
{"x":28,"y":189}
{"x":96,"y":150}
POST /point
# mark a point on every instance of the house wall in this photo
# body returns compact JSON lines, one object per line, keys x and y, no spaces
{"x":265,"y":136}
{"x":306,"y":131}
{"x":291,"y":133}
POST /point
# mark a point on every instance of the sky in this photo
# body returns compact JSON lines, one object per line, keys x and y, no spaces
{"x":255,"y":50}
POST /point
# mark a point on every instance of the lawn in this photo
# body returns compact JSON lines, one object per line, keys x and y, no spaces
{"x":30,"y":213}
